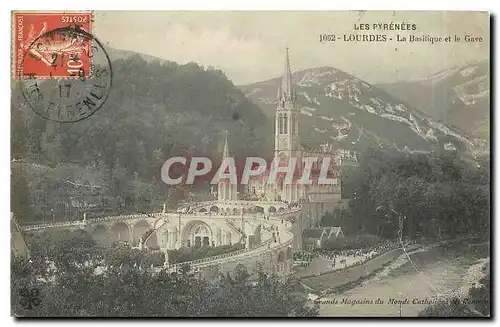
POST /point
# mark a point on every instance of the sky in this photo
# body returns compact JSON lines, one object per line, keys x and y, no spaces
{"x":249,"y":46}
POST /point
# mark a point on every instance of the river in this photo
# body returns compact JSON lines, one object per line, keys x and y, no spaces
{"x":433,"y":274}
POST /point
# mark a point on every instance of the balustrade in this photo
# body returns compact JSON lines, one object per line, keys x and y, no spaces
{"x":237,"y":255}
{"x":154,"y":215}
{"x":266,"y":246}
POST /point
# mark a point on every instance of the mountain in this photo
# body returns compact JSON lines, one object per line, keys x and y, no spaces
{"x":458,"y":96}
{"x":153,"y":104}
{"x":156,"y":109}
{"x":116,"y":54}
{"x":349,"y":113}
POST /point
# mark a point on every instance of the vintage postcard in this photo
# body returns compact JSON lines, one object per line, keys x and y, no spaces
{"x":250,"y":164}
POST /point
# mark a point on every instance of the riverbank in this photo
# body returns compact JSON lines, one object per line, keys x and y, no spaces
{"x":473,"y":276}
{"x":403,"y":287}
{"x":333,"y":281}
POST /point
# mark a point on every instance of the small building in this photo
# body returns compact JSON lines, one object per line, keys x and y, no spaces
{"x":335,"y":232}
{"x":311,"y":238}
{"x":314,"y":238}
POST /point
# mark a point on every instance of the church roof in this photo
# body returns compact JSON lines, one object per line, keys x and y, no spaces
{"x":225,"y":153}
{"x":321,"y":233}
{"x":335,"y":231}
{"x":312,"y":233}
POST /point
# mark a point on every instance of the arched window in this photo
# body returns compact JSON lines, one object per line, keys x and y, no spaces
{"x":278,"y":119}
{"x":201,"y":230}
{"x":280,"y":124}
{"x":285,"y":124}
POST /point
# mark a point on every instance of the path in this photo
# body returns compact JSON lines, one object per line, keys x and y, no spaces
{"x":321,"y":265}
{"x":338,"y":278}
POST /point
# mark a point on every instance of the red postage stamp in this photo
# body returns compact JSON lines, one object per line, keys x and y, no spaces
{"x":48,"y":44}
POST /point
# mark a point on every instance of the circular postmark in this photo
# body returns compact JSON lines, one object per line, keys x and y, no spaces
{"x":66,"y":75}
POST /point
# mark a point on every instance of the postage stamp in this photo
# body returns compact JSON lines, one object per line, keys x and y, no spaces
{"x":63,"y":71}
{"x":45,"y":54}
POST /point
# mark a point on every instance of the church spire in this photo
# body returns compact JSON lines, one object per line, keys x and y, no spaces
{"x":285,"y":91}
{"x":225,"y":189}
{"x":225,"y":153}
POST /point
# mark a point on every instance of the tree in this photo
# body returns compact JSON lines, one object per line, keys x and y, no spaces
{"x":20,"y":199}
{"x":447,"y":191}
{"x":18,"y":145}
{"x":125,"y":288}
{"x":155,"y":110}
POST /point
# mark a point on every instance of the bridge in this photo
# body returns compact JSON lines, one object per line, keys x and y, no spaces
{"x":270,"y":230}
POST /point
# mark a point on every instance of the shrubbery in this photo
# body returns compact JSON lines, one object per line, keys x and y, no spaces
{"x":124,"y":289}
{"x":156,"y":110}
{"x":441,"y":194}
{"x":352,"y":242}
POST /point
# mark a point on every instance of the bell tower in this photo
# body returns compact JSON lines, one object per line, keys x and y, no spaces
{"x":286,"y":133}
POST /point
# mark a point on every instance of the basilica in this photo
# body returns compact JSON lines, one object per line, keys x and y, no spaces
{"x":266,"y":215}
{"x":315,"y":198}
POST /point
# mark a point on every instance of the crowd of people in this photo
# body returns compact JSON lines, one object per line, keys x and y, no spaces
{"x":292,"y":205}
{"x":343,"y":258}
{"x":350,"y":257}
{"x":274,"y":231}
